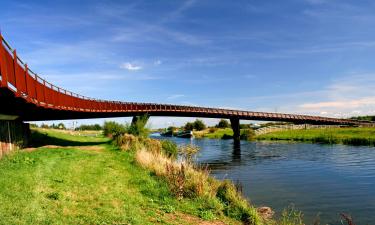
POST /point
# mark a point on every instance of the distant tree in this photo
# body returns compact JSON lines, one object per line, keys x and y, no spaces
{"x":44,"y":126}
{"x":61,"y":126}
{"x":33,"y":125}
{"x":89,"y":127}
{"x":171,"y":128}
{"x":189,"y":126}
{"x":223,"y":124}
{"x":199,"y":125}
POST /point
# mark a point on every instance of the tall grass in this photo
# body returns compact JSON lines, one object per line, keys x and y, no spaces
{"x":188,"y":181}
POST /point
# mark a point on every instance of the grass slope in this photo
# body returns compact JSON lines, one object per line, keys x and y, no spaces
{"x":86,"y":182}
{"x":349,"y":136}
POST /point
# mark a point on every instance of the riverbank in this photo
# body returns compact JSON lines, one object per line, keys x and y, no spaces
{"x":347,"y":136}
{"x":70,"y":178}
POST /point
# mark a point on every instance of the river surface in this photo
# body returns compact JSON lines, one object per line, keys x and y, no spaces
{"x":323,"y":180}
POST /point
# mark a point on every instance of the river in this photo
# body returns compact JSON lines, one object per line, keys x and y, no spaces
{"x":320,"y":180}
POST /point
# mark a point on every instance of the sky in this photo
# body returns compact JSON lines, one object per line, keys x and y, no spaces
{"x":310,"y":57}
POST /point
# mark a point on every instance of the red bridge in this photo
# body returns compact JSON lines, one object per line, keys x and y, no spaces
{"x":25,"y":95}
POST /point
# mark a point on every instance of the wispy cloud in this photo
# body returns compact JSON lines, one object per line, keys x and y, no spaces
{"x":175,"y":96}
{"x":130,"y":66}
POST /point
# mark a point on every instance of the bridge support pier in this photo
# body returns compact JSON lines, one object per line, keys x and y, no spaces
{"x":140,"y":121}
{"x":235,"y":123}
{"x":14,"y":134}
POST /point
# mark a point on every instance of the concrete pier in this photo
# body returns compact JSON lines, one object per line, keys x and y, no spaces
{"x":14,"y":134}
{"x":235,"y":123}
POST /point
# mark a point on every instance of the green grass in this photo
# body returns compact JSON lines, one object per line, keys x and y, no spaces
{"x":90,"y":182}
{"x":349,"y":136}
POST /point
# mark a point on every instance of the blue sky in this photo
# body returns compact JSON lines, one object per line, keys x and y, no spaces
{"x":295,"y":56}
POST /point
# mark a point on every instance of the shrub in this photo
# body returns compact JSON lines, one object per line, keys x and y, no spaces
{"x":169,"y":148}
{"x":152,"y":145}
{"x":212,"y":130}
{"x":127,"y":142}
{"x":189,"y":126}
{"x":199,"y":125}
{"x":235,"y":205}
{"x":188,"y":152}
{"x":113,"y":129}
{"x":247,"y":135}
{"x":223,"y":124}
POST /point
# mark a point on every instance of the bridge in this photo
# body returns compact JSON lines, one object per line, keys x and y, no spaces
{"x":25,"y":96}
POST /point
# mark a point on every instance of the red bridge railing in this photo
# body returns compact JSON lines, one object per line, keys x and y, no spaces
{"x":16,"y":76}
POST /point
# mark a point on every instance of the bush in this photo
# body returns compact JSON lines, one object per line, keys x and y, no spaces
{"x":223,"y":124}
{"x":189,"y":126}
{"x":235,"y":205}
{"x":212,"y":130}
{"x":113,"y":129}
{"x":169,"y":148}
{"x":199,"y":125}
{"x":127,"y":142}
{"x":247,"y":135}
{"x":188,"y":152}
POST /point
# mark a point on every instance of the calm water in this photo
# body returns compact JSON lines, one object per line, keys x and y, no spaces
{"x":317,"y":179}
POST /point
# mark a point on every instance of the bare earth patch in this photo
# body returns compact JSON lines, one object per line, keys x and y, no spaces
{"x":94,"y":148}
{"x":179,"y":217}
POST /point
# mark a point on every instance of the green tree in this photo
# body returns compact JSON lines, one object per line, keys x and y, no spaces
{"x":113,"y":129}
{"x":189,"y":126}
{"x":223,"y":124}
{"x":199,"y":125}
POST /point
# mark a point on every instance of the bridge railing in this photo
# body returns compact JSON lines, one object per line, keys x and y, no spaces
{"x":16,"y":76}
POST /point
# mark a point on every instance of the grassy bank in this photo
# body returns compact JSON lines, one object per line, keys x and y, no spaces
{"x":223,"y":133}
{"x":348,"y":136}
{"x":214,"y":133}
{"x":83,"y":179}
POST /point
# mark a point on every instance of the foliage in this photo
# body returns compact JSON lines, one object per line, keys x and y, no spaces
{"x":223,"y":124}
{"x":89,"y":127}
{"x":199,"y":125}
{"x":111,"y":128}
{"x":188,"y":152}
{"x":189,"y":126}
{"x":169,"y":148}
{"x":138,"y":126}
{"x":235,"y":205}
{"x":247,"y":134}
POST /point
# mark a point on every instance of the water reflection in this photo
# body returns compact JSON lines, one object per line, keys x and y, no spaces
{"x":321,"y":179}
{"x":236,"y":154}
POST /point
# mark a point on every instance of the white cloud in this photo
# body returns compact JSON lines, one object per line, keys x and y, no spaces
{"x":130,"y":66}
{"x":345,"y":104}
{"x":175,"y":96}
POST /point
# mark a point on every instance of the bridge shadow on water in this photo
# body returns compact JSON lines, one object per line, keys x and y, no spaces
{"x":39,"y":139}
